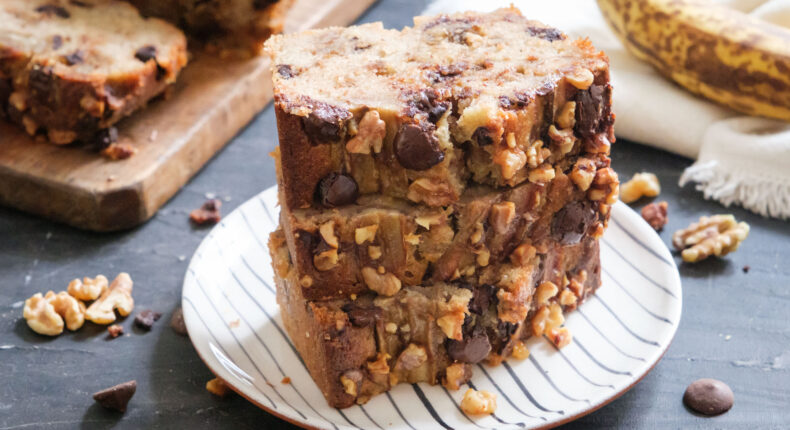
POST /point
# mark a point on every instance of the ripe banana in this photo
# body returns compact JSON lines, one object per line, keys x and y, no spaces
{"x":711,"y":50}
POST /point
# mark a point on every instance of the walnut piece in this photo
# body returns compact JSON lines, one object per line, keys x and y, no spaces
{"x":502,"y":214}
{"x":643,"y":184}
{"x":456,"y":375}
{"x":365,"y":234}
{"x":217,"y":387}
{"x":656,"y":215}
{"x":560,"y":337}
{"x":41,"y":316}
{"x":583,"y":173}
{"x":118,"y":151}
{"x":546,"y":291}
{"x":566,"y":117}
{"x":520,"y":351}
{"x":351,"y":380}
{"x":370,"y":134}
{"x":510,"y":161}
{"x":412,"y":357}
{"x":605,"y":186}
{"x":327,"y":231}
{"x":71,"y":309}
{"x":326,"y":260}
{"x":117,"y":296}
{"x":478,"y":402}
{"x":581,"y":78}
{"x":380,"y":365}
{"x":385,"y":284}
{"x":541,"y":174}
{"x":88,"y":289}
{"x":452,"y":325}
{"x":716,"y":235}
{"x":568,"y":298}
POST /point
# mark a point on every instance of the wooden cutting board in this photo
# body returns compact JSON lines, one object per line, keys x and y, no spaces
{"x":212,"y":100}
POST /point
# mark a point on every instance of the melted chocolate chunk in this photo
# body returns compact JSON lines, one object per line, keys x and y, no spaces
{"x":550,"y":34}
{"x":482,"y":137}
{"x":572,"y":222}
{"x":362,"y":316}
{"x":590,"y":107}
{"x":417,"y":148}
{"x":482,"y":297}
{"x":472,"y":349}
{"x":75,"y":57}
{"x":262,"y":4}
{"x":285,"y":71}
{"x":40,"y":81}
{"x":51,"y":9}
{"x":308,"y":240}
{"x":79,"y":3}
{"x":324,"y":123}
{"x":337,"y":189}
{"x":57,"y":42}
{"x":116,"y":397}
{"x":425,"y":101}
{"x":146,"y":53}
{"x":146,"y":319}
{"x":104,"y":138}
{"x":709,"y":397}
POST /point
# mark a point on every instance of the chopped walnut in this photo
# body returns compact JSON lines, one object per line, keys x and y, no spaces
{"x":327,"y":231}
{"x":566,"y":117}
{"x":208,"y":213}
{"x":380,"y":365}
{"x":430,"y":191}
{"x":520,"y":351}
{"x":483,"y":257}
{"x":385,"y":284}
{"x":478,"y":402}
{"x":412,"y":239}
{"x":510,"y":140}
{"x":605,"y":186}
{"x":41,"y":317}
{"x":716,"y":235}
{"x":217,"y":387}
{"x":326,"y":260}
{"x":510,"y":161}
{"x":560,"y":337}
{"x":117,"y":296}
{"x":452,"y":325}
{"x":563,"y":139}
{"x":426,"y":221}
{"x":523,"y":254}
{"x":640,"y":185}
{"x":370,"y":134}
{"x":656,"y":215}
{"x":581,"y":78}
{"x":115,"y":330}
{"x":538,"y":322}
{"x":541,"y":174}
{"x":87,"y":289}
{"x":456,"y":375}
{"x":599,"y":144}
{"x":118,"y":151}
{"x":568,"y":298}
{"x":555,"y":318}
{"x":502,"y":214}
{"x":351,"y":380}
{"x":71,"y":309}
{"x":583,"y":173}
{"x":365,"y":234}
{"x":412,"y":357}
{"x":374,"y":252}
{"x":546,"y":291}
{"x":477,"y":233}
{"x":306,"y":281}
{"x":391,"y":328}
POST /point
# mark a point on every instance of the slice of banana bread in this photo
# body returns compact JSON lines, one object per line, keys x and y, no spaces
{"x":231,"y":23}
{"x":73,"y":68}
{"x":381,"y":243}
{"x":492,"y":98}
{"x":355,"y":349}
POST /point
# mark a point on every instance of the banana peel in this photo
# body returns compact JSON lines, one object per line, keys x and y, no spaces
{"x":709,"y":49}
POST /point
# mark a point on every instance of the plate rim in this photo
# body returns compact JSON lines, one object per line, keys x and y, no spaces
{"x":619,"y":206}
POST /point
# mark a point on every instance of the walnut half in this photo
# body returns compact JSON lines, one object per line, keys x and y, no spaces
{"x":716,"y":235}
{"x":117,"y":296}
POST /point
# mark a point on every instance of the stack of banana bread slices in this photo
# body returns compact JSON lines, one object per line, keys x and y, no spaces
{"x":442,"y":190}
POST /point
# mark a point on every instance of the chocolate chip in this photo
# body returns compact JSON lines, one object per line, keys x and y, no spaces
{"x":546,"y":33}
{"x":471,"y":349}
{"x":590,"y":106}
{"x":425,"y":101}
{"x":325,"y":122}
{"x":482,"y":297}
{"x":337,"y":189}
{"x":114,"y":331}
{"x":482,"y":136}
{"x":116,"y":397}
{"x":417,"y":148}
{"x":746,"y":268}
{"x":40,"y":80}
{"x":51,"y":9}
{"x":308,"y":240}
{"x":75,"y":57}
{"x":146,"y":319}
{"x":362,"y":316}
{"x":104,"y":138}
{"x":57,"y":42}
{"x":709,"y":396}
{"x":261,"y":4}
{"x":146,"y":53}
{"x":285,"y":71}
{"x":572,"y":222}
{"x":79,"y":3}
{"x":177,"y":322}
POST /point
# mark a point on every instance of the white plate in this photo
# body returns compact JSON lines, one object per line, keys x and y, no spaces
{"x":618,"y":336}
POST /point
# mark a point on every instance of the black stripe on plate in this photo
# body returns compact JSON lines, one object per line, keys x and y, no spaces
{"x":501,"y":391}
{"x":457,"y":406}
{"x":526,"y":392}
{"x":429,"y":406}
{"x":564,"y":357}
{"x":638,"y":270}
{"x":369,"y":417}
{"x":261,"y":243}
{"x":266,"y":208}
{"x":494,"y":415}
{"x":397,"y":409}
{"x":625,"y":326}
{"x":216,"y":342}
{"x":241,"y":346}
{"x":640,"y":243}
{"x":551,"y":382}
{"x":579,"y":345}
{"x":579,"y":311}
{"x":638,"y":303}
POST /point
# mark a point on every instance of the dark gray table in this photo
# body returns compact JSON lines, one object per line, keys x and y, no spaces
{"x":735,"y":326}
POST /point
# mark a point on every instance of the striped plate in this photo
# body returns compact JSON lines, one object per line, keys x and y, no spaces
{"x":618,"y":336}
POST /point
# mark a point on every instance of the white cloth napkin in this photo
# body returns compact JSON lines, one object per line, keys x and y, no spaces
{"x":740,"y":160}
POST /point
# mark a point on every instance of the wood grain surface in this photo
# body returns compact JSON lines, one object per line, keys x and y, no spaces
{"x":213,"y":99}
